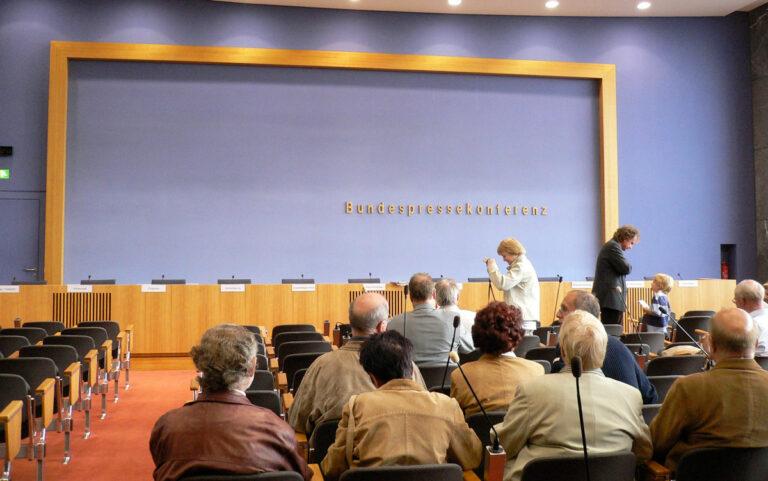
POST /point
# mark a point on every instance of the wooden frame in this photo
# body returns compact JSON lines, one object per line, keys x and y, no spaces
{"x":63,"y":52}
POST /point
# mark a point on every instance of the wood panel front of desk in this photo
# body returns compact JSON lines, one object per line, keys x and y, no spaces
{"x":169,"y":323}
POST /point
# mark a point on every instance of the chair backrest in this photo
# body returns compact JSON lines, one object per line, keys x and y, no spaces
{"x":675,"y":365}
{"x":13,"y":388}
{"x":545,"y":353}
{"x":602,"y":467}
{"x":298,"y":376}
{"x":11,"y":344}
{"x":470,"y":356}
{"x":34,"y":370}
{"x":650,"y":411}
{"x":662,"y":384}
{"x":266,"y":399}
{"x":300,"y":347}
{"x":526,"y":344}
{"x":98,"y":334}
{"x":254,"y":329}
{"x":481,"y":427}
{"x":422,"y":472}
{"x":690,"y":324}
{"x":272,"y":476}
{"x":261,"y":349}
{"x":62,"y":356}
{"x":51,"y":327}
{"x":292,"y":328}
{"x":433,"y":374}
{"x":641,"y":349}
{"x":33,"y":334}
{"x":615,"y":330}
{"x":82,"y":344}
{"x":654,"y":339}
{"x":294,"y":362}
{"x":699,"y":313}
{"x":262,"y":363}
{"x":543,"y":331}
{"x":762,"y":361}
{"x":262,"y":381}
{"x":295,"y":336}
{"x":545,"y":364}
{"x":112,"y":328}
{"x":724,"y":464}
{"x":321,"y":439}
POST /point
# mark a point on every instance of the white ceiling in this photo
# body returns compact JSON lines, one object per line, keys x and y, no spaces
{"x":567,"y":8}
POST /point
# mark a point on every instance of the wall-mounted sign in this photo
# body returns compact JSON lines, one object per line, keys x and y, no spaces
{"x":461,"y":208}
{"x":79,"y":288}
{"x":153,"y":288}
{"x":5,"y":174}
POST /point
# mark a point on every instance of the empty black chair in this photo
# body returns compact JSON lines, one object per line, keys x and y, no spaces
{"x":690,"y":324}
{"x":33,"y":334}
{"x":291,"y":328}
{"x":650,"y":411}
{"x":762,"y":361}
{"x":14,"y":389}
{"x":271,"y":476}
{"x":433,"y":374}
{"x":526,"y":344}
{"x":470,"y":356}
{"x":262,"y":381}
{"x":266,"y":399}
{"x":482,"y":428}
{"x":699,"y":313}
{"x":261,"y":349}
{"x":262,"y":363}
{"x":51,"y":327}
{"x":295,"y":336}
{"x":113,"y":333}
{"x":724,"y":464}
{"x":423,"y":472}
{"x":639,"y":349}
{"x":615,"y":330}
{"x":543,"y":331}
{"x":602,"y":467}
{"x":300,"y":347}
{"x":254,"y":329}
{"x":322,"y":438}
{"x":294,"y":362}
{"x":655,"y":340}
{"x":545,"y":364}
{"x":11,"y":344}
{"x":298,"y":376}
{"x":662,"y":384}
{"x":675,"y":365}
{"x":544,"y":353}
{"x":99,"y":336}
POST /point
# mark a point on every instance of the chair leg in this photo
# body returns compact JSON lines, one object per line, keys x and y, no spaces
{"x":116,"y":376}
{"x":67,"y":427}
{"x":39,"y":450}
{"x":126,"y":365}
{"x":85,"y":405}
{"x":6,"y":476}
{"x":103,"y":388}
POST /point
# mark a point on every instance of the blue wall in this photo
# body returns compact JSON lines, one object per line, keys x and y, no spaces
{"x":684,"y":103}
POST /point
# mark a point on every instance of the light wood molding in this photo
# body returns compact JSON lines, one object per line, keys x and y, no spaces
{"x":63,"y":52}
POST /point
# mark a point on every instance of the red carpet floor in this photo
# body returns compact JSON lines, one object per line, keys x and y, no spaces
{"x":118,"y":449}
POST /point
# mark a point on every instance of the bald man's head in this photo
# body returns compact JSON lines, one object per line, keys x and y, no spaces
{"x":367,"y":312}
{"x":733,"y":334}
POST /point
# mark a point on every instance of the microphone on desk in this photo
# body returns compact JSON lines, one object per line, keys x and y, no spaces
{"x":405,"y":308}
{"x":456,"y":322}
{"x":576,"y":371}
{"x":679,"y":277}
{"x":557,"y":296}
{"x":494,"y":458}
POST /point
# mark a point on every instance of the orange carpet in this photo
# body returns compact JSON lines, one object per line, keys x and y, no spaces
{"x":118,"y":449}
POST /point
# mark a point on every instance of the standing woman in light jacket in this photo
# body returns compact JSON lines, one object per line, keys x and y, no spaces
{"x":520,"y":283}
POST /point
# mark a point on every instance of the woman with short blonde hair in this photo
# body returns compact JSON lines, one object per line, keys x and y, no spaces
{"x":520,"y":283}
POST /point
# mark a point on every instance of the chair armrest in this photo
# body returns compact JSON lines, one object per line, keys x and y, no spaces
{"x":270,"y":352}
{"x":107,"y":348}
{"x":14,"y":355}
{"x":194,"y":384}
{"x":303,"y":444}
{"x":273,"y":364}
{"x":327,"y":339}
{"x":287,"y":401}
{"x":653,"y":471}
{"x":92,"y":360}
{"x":46,"y":393}
{"x":317,"y":475}
{"x":72,"y":374}
{"x":282,"y":382}
{"x":10,"y":419}
{"x":470,"y":475}
{"x":334,"y":347}
{"x":129,"y":331}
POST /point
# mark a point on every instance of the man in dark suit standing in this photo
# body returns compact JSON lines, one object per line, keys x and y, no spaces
{"x":611,"y":268}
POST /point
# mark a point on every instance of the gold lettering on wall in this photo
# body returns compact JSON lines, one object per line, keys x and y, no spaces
{"x":466,"y":209}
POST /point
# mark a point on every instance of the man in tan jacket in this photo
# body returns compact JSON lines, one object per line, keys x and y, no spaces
{"x":724,"y":407}
{"x":400,"y":423}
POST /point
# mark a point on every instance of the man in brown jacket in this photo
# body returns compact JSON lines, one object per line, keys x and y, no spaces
{"x":400,"y":423}
{"x":724,"y":407}
{"x":222,"y":431}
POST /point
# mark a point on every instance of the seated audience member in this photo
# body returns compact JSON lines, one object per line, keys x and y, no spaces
{"x":429,"y":329}
{"x":496,"y":375}
{"x":619,"y":361}
{"x":222,"y":431}
{"x":724,"y":407}
{"x":748,"y":296}
{"x":337,"y":375}
{"x":400,"y":423}
{"x":656,"y":318}
{"x":543,"y":419}
{"x":447,"y":296}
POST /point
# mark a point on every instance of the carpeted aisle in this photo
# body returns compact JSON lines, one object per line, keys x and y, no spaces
{"x":118,"y":449}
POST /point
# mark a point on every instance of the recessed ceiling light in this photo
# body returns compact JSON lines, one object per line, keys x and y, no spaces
{"x":454,"y":3}
{"x":644,"y":5}
{"x":552,"y":4}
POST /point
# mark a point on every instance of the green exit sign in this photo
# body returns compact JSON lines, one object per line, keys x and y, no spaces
{"x":5,"y":174}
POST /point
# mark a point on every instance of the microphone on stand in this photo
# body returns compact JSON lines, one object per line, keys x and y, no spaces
{"x":456,"y":322}
{"x":710,"y":361}
{"x":491,"y":294}
{"x":405,"y":308}
{"x":557,"y":296}
{"x":576,"y":371}
{"x":494,"y":458}
{"x":635,"y":322}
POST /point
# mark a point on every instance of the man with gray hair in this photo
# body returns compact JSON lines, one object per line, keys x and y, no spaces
{"x":447,"y":296}
{"x":429,"y":329}
{"x":221,"y":431}
{"x":724,"y":407}
{"x":748,"y":296}
{"x":337,"y":375}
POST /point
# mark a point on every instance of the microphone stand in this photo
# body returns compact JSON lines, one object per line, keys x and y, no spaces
{"x":557,"y":296}
{"x":490,"y":290}
{"x":576,"y":371}
{"x":405,"y":308}
{"x":710,"y":362}
{"x":456,"y":322}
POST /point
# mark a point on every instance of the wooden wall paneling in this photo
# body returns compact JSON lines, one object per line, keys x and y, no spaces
{"x":683,"y":299}
{"x":474,"y":296}
{"x":157,"y":322}
{"x":36,"y":305}
{"x":304,"y":308}
{"x":231,"y":306}
{"x":193,"y":310}
{"x":127,"y":306}
{"x":333,"y":303}
{"x":549,"y":301}
{"x":10,"y":306}
{"x":715,"y":294}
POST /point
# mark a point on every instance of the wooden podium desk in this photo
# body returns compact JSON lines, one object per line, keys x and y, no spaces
{"x":169,"y":323}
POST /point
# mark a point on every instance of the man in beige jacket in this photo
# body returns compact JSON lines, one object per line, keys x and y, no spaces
{"x":400,"y":423}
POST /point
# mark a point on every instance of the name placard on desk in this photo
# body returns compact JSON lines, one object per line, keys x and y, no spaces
{"x":302,"y":287}
{"x":581,"y":285}
{"x":9,"y":289}
{"x":232,"y":287}
{"x":79,"y":288}
{"x":153,"y":288}
{"x":688,"y":283}
{"x":378,"y":287}
{"x":635,"y":284}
